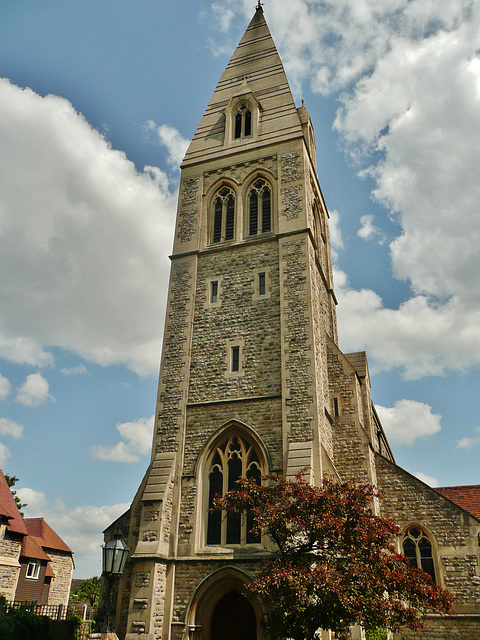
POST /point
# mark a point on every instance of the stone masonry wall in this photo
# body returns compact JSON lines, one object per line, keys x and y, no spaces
{"x":203,"y":421}
{"x":174,"y":357}
{"x":350,"y":453}
{"x":9,"y":574}
{"x":239,"y":315}
{"x":296,"y":341}
{"x":62,"y":565}
{"x":406,"y":501}
{"x":437,"y":628}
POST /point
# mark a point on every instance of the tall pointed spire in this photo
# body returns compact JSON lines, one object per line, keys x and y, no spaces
{"x":257,"y":64}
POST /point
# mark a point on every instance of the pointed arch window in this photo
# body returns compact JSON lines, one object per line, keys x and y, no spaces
{"x":259,"y":208}
{"x":242,"y":122}
{"x":417,"y":548}
{"x":223,"y":215}
{"x":233,"y":458}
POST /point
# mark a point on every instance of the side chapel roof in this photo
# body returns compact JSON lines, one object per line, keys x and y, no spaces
{"x":254,"y":68}
{"x":466,"y":496}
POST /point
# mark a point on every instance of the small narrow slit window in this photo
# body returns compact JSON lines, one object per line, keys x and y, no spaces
{"x":261,"y":284}
{"x":214,"y":291}
{"x":235,"y":359}
{"x":335,"y":407}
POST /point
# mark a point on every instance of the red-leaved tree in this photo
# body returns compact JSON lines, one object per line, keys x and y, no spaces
{"x":334,"y":564}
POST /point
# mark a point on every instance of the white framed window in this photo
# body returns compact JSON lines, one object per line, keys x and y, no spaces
{"x":33,"y":570}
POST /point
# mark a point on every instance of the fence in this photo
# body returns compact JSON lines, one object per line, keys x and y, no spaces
{"x":53,"y":611}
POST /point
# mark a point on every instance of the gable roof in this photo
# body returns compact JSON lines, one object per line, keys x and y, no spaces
{"x":255,"y":66}
{"x":466,"y":496}
{"x":9,"y":509}
{"x":44,"y":535}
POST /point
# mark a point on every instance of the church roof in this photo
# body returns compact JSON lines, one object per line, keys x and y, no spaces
{"x":466,"y":496}
{"x":256,"y":68}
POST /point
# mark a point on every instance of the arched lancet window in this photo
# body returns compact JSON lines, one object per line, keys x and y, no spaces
{"x":259,"y":208}
{"x":417,"y":548}
{"x":223,"y":215}
{"x":242,"y":122}
{"x":231,"y":459}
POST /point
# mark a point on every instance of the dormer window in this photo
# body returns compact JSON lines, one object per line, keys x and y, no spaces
{"x":243,"y":122}
{"x":242,"y":116}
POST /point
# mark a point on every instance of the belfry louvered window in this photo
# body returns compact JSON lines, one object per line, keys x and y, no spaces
{"x":417,"y":548}
{"x":223,"y":215}
{"x":242,"y":122}
{"x":233,"y":458}
{"x":259,"y":208}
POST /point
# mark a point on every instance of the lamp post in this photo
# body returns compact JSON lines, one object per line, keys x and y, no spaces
{"x":114,"y":557}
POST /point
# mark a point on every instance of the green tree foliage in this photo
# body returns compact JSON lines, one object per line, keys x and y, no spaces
{"x":12,"y":481}
{"x":22,"y":624}
{"x":87,"y":591}
{"x":334,"y":564}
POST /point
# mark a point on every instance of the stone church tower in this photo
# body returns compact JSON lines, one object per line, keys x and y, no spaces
{"x":252,"y":380}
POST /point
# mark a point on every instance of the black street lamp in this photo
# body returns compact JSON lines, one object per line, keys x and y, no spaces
{"x":114,"y":557}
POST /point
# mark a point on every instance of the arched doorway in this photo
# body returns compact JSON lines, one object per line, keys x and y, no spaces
{"x":233,"y":618}
{"x":219,"y":610}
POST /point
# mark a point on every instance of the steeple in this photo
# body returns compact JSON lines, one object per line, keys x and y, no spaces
{"x":254,"y":69}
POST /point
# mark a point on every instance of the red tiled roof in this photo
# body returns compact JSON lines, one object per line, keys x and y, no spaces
{"x":45,"y":535}
{"x":31,"y":549}
{"x":9,"y":509}
{"x":466,"y":496}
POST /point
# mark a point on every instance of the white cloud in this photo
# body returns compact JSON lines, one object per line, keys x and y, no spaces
{"x":173,"y":140}
{"x":81,"y":528}
{"x":408,"y":76}
{"x":34,"y":391}
{"x":72,"y":371}
{"x":369,"y":231}
{"x":408,"y":420}
{"x":83,"y":250}
{"x":10,"y":428}
{"x":430,"y":480}
{"x":469,"y":443}
{"x":137,"y":442}
{"x":5,"y":387}
{"x":421,"y":337}
{"x":4,"y":454}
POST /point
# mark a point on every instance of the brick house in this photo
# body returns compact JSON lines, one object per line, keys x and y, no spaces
{"x":35,"y":563}
{"x":253,"y":381}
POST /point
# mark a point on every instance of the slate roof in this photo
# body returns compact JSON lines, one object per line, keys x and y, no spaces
{"x":466,"y":496}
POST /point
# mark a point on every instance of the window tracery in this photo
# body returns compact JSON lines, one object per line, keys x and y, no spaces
{"x":233,"y":458}
{"x":223,"y":215}
{"x":259,"y":208}
{"x":242,"y":122}
{"x":417,"y":548}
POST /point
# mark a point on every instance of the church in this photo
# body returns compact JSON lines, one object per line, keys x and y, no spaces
{"x":252,"y":379}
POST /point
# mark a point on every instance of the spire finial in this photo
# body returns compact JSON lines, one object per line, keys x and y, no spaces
{"x":259,"y":6}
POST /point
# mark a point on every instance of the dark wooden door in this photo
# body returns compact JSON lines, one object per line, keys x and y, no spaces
{"x":233,"y":618}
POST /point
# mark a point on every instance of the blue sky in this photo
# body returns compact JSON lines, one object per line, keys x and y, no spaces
{"x":97,"y":103}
